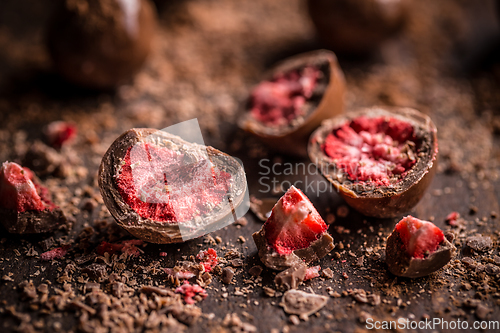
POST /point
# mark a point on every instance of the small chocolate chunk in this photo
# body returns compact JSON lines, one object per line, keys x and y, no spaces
{"x":95,"y":271}
{"x":227,"y":275}
{"x":479,"y":243}
{"x":255,"y":270}
{"x":301,"y":303}
{"x":236,"y":262}
{"x":492,"y":269}
{"x":469,"y":262}
{"x":291,"y":277}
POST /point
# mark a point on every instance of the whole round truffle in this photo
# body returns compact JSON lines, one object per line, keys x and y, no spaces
{"x":356,"y":26}
{"x":100,"y":44}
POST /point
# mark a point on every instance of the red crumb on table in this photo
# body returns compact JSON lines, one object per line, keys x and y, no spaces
{"x":294,"y":223}
{"x":158,"y":184}
{"x":19,"y":192}
{"x":420,"y":238}
{"x":56,"y":253}
{"x":129,"y":247}
{"x":279,"y":101}
{"x":208,"y":259}
{"x":189,"y":291}
{"x":59,"y":133}
{"x":373,"y":149}
{"x":452,"y":218}
{"x":312,"y":272}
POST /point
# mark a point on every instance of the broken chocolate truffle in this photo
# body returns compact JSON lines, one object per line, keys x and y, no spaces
{"x":293,"y":234}
{"x":417,"y":248}
{"x":26,"y":206}
{"x":101,"y":43}
{"x":163,"y":189}
{"x":380,"y":160}
{"x":298,"y":94}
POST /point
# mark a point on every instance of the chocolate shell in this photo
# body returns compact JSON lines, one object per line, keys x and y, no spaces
{"x":356,"y":26}
{"x":31,"y":222}
{"x":327,"y":101}
{"x":168,"y":232}
{"x":272,"y":259}
{"x":100,"y":44}
{"x":382,"y":201}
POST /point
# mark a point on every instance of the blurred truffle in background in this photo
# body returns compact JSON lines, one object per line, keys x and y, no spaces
{"x":100,"y":44}
{"x":356,"y":26}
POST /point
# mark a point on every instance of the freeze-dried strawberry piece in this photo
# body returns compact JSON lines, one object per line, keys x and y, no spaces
{"x":59,"y":133}
{"x":56,"y":253}
{"x":312,"y":272}
{"x":280,"y":100}
{"x":417,"y":248}
{"x":452,"y":218}
{"x":420,"y":238}
{"x":17,"y":190}
{"x":208,"y":259}
{"x":189,"y":291}
{"x":295,"y":232}
{"x":25,"y":205}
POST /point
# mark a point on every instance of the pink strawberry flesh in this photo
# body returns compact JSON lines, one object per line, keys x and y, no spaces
{"x":420,"y":238}
{"x":294,"y":223}
{"x":375,"y":150}
{"x":280,"y":100}
{"x":158,"y":185}
{"x":17,"y":190}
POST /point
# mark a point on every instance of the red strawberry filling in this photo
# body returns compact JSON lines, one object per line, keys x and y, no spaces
{"x":208,"y":259}
{"x":18,"y":191}
{"x":378,"y":150}
{"x":280,"y":100}
{"x":60,"y":132}
{"x":420,"y":238}
{"x":294,"y":223}
{"x":163,"y":185}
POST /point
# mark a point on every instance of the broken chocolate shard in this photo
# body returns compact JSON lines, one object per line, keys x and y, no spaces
{"x":262,"y":207}
{"x":255,"y":270}
{"x":291,"y":278}
{"x":301,"y":303}
{"x":294,"y":233}
{"x":417,"y":248}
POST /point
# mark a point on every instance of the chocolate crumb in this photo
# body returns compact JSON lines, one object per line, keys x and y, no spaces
{"x":227,"y":275}
{"x":327,"y":273}
{"x":255,"y":270}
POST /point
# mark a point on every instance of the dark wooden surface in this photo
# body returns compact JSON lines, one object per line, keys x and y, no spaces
{"x":206,"y":56}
